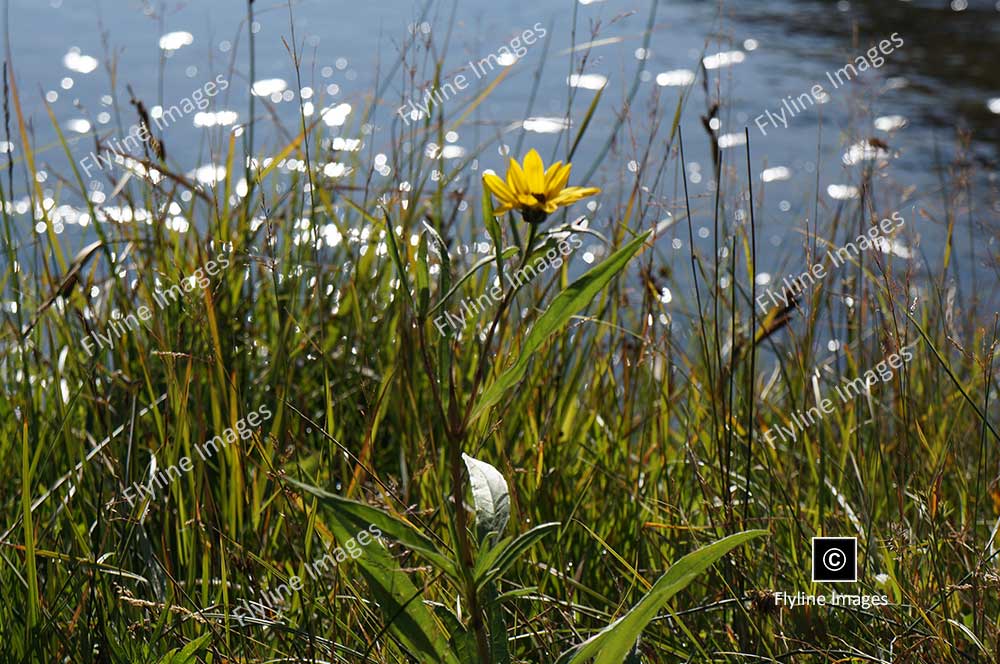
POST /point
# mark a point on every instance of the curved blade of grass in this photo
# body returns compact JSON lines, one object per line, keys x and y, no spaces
{"x":390,"y":234}
{"x":951,"y":374}
{"x":478,"y":265}
{"x":586,"y":122}
{"x":442,"y":252}
{"x":571,"y":300}
{"x":612,"y":644}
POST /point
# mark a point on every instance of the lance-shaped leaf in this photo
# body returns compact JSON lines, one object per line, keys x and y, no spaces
{"x":575,"y":297}
{"x":612,"y":644}
{"x":359,"y":516}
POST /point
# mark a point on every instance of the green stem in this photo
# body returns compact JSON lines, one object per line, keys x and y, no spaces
{"x":464,"y":546}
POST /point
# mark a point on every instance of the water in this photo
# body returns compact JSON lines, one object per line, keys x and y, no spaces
{"x":756,"y":54}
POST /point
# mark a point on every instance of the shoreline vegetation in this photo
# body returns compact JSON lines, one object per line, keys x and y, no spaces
{"x":116,"y":329}
{"x":361,"y":436}
{"x":140,"y":135}
{"x":876,"y":237}
{"x":242,"y":430}
{"x":439,"y":95}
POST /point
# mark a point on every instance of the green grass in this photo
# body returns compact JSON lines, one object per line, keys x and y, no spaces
{"x":641,"y":441}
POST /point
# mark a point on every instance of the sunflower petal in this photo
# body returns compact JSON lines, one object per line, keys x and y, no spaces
{"x":573,"y":194}
{"x":499,"y":188}
{"x":550,"y":172}
{"x":558,"y":181}
{"x":516,"y":179}
{"x":534,"y":171}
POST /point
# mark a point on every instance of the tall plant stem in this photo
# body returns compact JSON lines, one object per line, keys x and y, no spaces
{"x":455,"y":440}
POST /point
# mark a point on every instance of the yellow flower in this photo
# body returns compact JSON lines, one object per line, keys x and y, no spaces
{"x":534,"y":191}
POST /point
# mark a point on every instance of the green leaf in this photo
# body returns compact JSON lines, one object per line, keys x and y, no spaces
{"x":489,"y":495}
{"x":612,"y":644}
{"x":399,"y":600}
{"x":401,"y":604}
{"x":571,"y":300}
{"x":463,"y":644}
{"x":499,"y":648}
{"x":423,"y":277}
{"x":492,"y":564}
{"x":358,"y":516}
{"x":188,"y":653}
{"x":487,"y":557}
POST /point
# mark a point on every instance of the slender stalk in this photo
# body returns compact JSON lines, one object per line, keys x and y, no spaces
{"x":753,"y":328}
{"x":697,"y":295}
